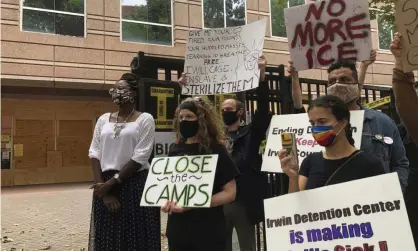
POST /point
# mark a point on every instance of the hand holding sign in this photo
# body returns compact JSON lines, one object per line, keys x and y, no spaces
{"x":367,"y":63}
{"x":292,"y":171}
{"x":396,"y":46}
{"x":262,"y":62}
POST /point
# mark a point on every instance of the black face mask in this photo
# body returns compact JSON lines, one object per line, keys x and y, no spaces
{"x":189,"y":129}
{"x":230,"y":117}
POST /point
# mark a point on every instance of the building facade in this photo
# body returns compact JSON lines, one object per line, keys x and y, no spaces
{"x":60,"y":57}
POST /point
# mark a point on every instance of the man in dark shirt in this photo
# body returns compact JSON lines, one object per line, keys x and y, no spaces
{"x":252,"y":185}
{"x":411,"y":196}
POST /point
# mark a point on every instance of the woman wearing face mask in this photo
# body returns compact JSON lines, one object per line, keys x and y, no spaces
{"x":200,"y":131}
{"x":121,"y":147}
{"x":341,"y":161}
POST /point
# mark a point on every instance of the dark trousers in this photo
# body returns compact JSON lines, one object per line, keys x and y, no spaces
{"x":190,"y":246}
{"x":236,"y":216}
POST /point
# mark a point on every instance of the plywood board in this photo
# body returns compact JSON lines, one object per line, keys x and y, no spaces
{"x":35,"y":151}
{"x":75,"y":150}
{"x":54,"y":159}
{"x":34,"y":127}
{"x":75,"y":128}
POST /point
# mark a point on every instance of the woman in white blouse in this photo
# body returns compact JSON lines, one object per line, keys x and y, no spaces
{"x":121,"y":147}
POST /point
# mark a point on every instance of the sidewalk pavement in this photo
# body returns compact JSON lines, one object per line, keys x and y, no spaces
{"x":51,"y":217}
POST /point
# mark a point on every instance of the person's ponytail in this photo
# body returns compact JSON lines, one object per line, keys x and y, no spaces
{"x":349,"y":134}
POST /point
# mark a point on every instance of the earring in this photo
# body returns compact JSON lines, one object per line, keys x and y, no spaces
{"x":131,"y":99}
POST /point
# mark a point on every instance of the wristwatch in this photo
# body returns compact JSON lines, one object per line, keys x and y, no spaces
{"x":116,"y":176}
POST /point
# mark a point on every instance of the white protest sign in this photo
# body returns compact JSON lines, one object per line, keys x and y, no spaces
{"x":361,"y":215}
{"x":325,"y":31}
{"x":163,"y":142}
{"x":224,"y":60}
{"x":187,"y":180}
{"x":306,"y":144}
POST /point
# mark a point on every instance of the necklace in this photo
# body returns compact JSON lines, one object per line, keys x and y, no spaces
{"x":117,"y":128}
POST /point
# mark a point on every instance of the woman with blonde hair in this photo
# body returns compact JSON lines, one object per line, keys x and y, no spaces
{"x":200,"y":131}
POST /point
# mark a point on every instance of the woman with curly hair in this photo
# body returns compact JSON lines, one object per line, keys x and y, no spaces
{"x":200,"y":131}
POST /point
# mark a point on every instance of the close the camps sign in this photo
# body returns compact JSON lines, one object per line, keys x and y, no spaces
{"x":362,"y":215}
{"x":326,"y":31}
{"x":187,"y":180}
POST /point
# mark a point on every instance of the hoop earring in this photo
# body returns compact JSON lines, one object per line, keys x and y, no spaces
{"x":132,"y":100}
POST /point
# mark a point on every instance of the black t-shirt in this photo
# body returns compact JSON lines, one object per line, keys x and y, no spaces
{"x":202,"y":224}
{"x":318,"y":169}
{"x":300,"y":110}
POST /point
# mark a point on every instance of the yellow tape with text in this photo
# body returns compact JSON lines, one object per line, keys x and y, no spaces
{"x":162,"y":94}
{"x":378,"y":103}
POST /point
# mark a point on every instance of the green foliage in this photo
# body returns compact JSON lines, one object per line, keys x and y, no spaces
{"x":154,"y":11}
{"x":384,"y":9}
{"x":48,"y":22}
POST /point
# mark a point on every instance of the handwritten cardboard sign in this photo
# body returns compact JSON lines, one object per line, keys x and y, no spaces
{"x":407,"y":25}
{"x":352,"y":216}
{"x":323,"y":32}
{"x":187,"y":180}
{"x":306,"y":144}
{"x":224,"y":60}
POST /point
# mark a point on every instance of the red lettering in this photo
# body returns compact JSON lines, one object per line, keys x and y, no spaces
{"x":314,"y":11}
{"x":350,"y":27}
{"x":339,"y":248}
{"x":304,"y":35}
{"x":342,"y":52}
{"x":317,"y":33}
{"x":334,"y":27}
{"x":309,"y":56}
{"x":383,"y":246}
{"x":338,"y":13}
{"x":322,"y":61}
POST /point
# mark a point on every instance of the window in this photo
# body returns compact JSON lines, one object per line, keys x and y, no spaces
{"x":6,"y":142}
{"x":223,"y":13}
{"x":385,"y":31}
{"x":147,"y":21}
{"x":278,"y":26}
{"x":63,"y":17}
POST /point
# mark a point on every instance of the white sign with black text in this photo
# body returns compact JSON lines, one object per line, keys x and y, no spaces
{"x":306,"y":144}
{"x":224,"y":60}
{"x":163,"y":142}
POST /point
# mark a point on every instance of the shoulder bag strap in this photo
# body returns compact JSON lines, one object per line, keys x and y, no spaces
{"x":339,"y":168}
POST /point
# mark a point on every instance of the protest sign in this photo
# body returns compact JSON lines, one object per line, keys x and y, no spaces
{"x":362,"y":215}
{"x":224,"y":60}
{"x":306,"y":144}
{"x":187,"y":180}
{"x":325,"y":31}
{"x":407,"y":25}
{"x":163,"y":142}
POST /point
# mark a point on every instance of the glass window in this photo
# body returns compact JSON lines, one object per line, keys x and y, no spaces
{"x":6,"y":142}
{"x":223,"y":13}
{"x":278,"y":26}
{"x":146,"y":21}
{"x":385,"y":31}
{"x":63,"y":17}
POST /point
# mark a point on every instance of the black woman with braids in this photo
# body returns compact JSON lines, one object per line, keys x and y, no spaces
{"x":121,"y":147}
